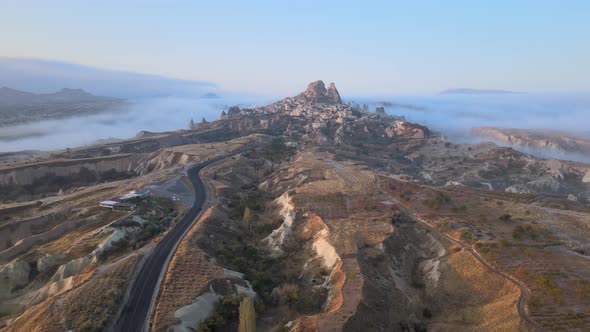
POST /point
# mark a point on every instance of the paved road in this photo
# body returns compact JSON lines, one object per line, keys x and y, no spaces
{"x":133,"y":317}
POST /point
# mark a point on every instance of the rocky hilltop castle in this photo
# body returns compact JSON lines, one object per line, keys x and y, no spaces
{"x":318,"y":113}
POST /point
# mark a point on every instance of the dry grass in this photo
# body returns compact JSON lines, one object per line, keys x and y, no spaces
{"x":189,"y":271}
{"x":522,"y":256}
{"x":39,"y":318}
{"x":93,"y":304}
{"x":96,"y":302}
{"x":476,"y":299}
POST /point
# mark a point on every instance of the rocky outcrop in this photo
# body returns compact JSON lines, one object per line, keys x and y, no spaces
{"x":71,"y":268}
{"x":26,"y":174}
{"x":13,"y":275}
{"x":316,"y":92}
{"x":404,"y":129}
{"x":333,"y":94}
{"x":48,"y":261}
{"x":32,"y":179}
{"x":554,"y":143}
{"x":232,"y":111}
{"x":276,"y":239}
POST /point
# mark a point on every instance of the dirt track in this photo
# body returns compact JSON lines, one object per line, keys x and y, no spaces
{"x":524,"y":291}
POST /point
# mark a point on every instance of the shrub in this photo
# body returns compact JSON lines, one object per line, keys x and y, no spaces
{"x":518,"y":232}
{"x":533,"y":302}
{"x":460,"y":209}
{"x":227,"y":310}
{"x":466,"y":234}
{"x":87,"y":326}
{"x":444,"y":225}
{"x":505,"y":217}
{"x":289,"y":294}
{"x":544,"y":282}
{"x":406,"y":195}
{"x":484,"y":250}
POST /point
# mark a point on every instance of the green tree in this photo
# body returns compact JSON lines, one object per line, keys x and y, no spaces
{"x":289,"y":294}
{"x":247,"y":316}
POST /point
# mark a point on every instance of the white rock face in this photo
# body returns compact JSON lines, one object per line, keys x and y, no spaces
{"x":72,"y":268}
{"x":13,"y":275}
{"x":118,"y":233}
{"x":431,"y":267}
{"x":192,"y":315}
{"x":586,"y":178}
{"x":276,"y":239}
{"x":426,"y":176}
{"x":49,"y":261}
{"x":325,"y":250}
{"x":50,"y":289}
{"x":516,"y":189}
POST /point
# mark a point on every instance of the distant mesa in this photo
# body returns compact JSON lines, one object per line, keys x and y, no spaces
{"x":466,"y":91}
{"x":72,"y":94}
{"x":316,"y":92}
{"x":210,"y":95}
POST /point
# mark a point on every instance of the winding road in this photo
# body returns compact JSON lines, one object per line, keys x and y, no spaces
{"x":137,"y":310}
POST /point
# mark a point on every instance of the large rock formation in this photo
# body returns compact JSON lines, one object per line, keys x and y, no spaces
{"x":333,"y":94}
{"x":316,"y":92}
{"x":318,"y":113}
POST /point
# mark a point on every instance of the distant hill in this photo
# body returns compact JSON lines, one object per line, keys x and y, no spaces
{"x":466,"y":91}
{"x":9,"y":96}
{"x":18,"y":106}
{"x":210,"y":95}
{"x":43,"y":76}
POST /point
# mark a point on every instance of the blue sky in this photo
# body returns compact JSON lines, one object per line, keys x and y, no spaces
{"x":367,"y":48}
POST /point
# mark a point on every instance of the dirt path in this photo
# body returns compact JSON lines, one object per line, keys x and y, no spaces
{"x":524,"y":291}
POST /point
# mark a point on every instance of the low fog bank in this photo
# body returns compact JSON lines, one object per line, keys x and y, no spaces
{"x":569,"y":113}
{"x":151,"y":114}
{"x":455,"y":115}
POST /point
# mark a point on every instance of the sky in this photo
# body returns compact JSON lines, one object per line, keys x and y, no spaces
{"x":277,"y":47}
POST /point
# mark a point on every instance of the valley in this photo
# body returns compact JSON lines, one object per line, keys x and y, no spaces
{"x":327,"y":215}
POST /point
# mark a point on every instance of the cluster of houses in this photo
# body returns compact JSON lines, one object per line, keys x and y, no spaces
{"x":121,"y":203}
